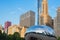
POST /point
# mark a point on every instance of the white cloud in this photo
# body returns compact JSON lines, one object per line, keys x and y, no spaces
{"x":52,"y":8}
{"x":15,"y":11}
{"x":19,"y":8}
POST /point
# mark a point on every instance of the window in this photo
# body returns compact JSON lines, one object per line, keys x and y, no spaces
{"x":42,"y":20}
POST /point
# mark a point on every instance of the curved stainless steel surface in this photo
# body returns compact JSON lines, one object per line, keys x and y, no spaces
{"x":41,"y":29}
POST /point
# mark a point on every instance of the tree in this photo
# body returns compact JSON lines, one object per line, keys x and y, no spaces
{"x":10,"y":37}
{"x":4,"y":36}
{"x":58,"y":38}
{"x":16,"y":36}
{"x":0,"y":32}
{"x":0,"y":35}
{"x":22,"y":39}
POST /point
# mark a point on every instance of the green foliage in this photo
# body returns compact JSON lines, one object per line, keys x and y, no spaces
{"x":22,"y":39}
{"x":58,"y":38}
{"x":0,"y":32}
{"x":10,"y":37}
{"x":15,"y":36}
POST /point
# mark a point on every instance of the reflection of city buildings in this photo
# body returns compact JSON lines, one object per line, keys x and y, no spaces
{"x":7,"y":24}
{"x":57,"y":23}
{"x":14,"y":28}
{"x":40,"y":33}
{"x":27,"y":19}
{"x":1,"y":28}
{"x":45,"y":19}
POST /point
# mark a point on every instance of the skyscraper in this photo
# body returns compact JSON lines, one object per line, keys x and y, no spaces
{"x":45,"y":19}
{"x":27,"y":19}
{"x":57,"y":23}
{"x":39,"y":9}
{"x":7,"y":24}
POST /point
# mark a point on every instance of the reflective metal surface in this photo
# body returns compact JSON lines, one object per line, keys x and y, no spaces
{"x":46,"y":30}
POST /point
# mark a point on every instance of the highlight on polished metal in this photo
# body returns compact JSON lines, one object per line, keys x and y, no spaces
{"x":40,"y":33}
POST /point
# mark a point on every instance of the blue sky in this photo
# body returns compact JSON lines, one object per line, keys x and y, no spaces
{"x":10,"y":10}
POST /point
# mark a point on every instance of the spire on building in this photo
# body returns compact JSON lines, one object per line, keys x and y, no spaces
{"x":44,"y":0}
{"x":44,"y":7}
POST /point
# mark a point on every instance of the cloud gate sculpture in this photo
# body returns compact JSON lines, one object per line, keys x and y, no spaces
{"x":40,"y":33}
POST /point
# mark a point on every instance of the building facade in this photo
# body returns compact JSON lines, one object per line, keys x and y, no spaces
{"x":45,"y":19}
{"x":57,"y":23}
{"x":22,"y":33}
{"x":1,"y":28}
{"x":7,"y":24}
{"x":12,"y":29}
{"x":27,"y":19}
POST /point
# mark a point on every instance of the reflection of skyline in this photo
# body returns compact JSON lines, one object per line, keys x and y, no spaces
{"x":11,"y":10}
{"x":41,"y":29}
